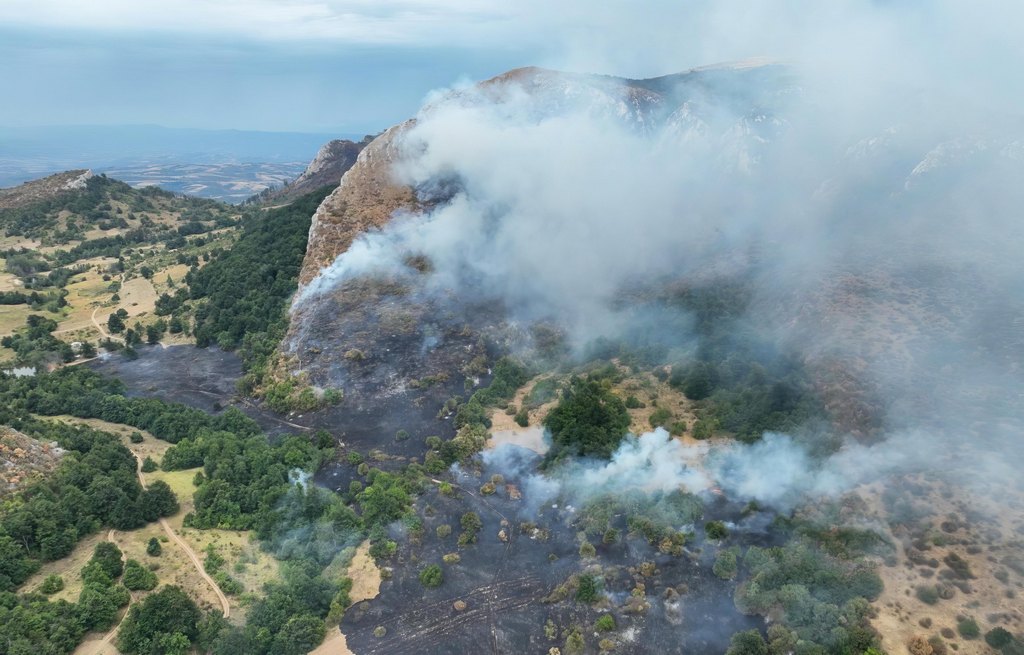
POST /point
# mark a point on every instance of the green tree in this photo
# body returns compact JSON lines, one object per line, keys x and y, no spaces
{"x":158,"y":501}
{"x":52,"y":584}
{"x":299,"y":635}
{"x":431,"y":576}
{"x":586,"y":589}
{"x":749,"y":642}
{"x":589,"y":419}
{"x":137,"y":577}
{"x":115,"y":324}
{"x":151,"y":625}
{"x":108,"y":557}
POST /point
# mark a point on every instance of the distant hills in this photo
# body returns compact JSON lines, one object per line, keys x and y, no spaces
{"x":229,"y":165}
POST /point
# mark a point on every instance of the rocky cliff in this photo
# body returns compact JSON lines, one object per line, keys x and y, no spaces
{"x":332,"y":161}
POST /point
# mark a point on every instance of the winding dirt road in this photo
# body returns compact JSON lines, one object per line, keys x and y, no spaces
{"x":225,"y":606}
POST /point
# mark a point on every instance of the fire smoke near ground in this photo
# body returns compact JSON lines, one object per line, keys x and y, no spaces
{"x":874,"y":209}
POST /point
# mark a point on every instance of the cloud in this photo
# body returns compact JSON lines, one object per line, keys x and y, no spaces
{"x":393,"y":22}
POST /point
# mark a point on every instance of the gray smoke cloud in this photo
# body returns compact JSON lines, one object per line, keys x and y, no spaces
{"x":870,"y":185}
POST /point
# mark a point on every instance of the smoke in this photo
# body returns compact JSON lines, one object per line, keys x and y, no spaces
{"x":778,"y":471}
{"x":869,"y":187}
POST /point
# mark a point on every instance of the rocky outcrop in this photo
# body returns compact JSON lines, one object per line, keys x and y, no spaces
{"x":672,"y":106}
{"x":332,"y":161}
{"x":24,"y":460}
{"x":43,"y":189}
{"x":366,"y":198}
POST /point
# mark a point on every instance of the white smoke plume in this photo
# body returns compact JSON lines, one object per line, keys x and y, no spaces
{"x":873,"y":159}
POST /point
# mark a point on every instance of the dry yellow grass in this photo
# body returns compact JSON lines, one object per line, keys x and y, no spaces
{"x":8,"y":281}
{"x":366,"y":579}
{"x":254,"y":567}
{"x":69,"y":568}
{"x":648,"y":389}
{"x":137,"y":296}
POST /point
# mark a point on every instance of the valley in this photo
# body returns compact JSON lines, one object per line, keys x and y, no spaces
{"x":749,"y":386}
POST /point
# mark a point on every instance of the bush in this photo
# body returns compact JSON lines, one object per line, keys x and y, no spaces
{"x":660,"y":417}
{"x":443,"y":530}
{"x":137,"y":577}
{"x":604,"y":623}
{"x":431,"y":576}
{"x":998,"y":637}
{"x":589,"y":420}
{"x":135,"y":437}
{"x":968,"y":629}
{"x":716,"y":530}
{"x":725,"y":566}
{"x":148,"y":465}
{"x":749,"y":642}
{"x":153,"y":548}
{"x":586,"y":589}
{"x":632,"y":402}
{"x":927,"y":594}
{"x":522,"y":417}
{"x":52,"y":584}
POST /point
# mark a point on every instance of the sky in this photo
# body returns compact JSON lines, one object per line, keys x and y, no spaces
{"x":355,"y":66}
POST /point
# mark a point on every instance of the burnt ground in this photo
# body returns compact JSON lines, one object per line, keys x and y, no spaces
{"x":512,"y":582}
{"x":206,"y":378}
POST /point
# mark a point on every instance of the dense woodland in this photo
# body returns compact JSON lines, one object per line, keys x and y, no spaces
{"x":816,"y":596}
{"x":103,"y":204}
{"x":245,"y":290}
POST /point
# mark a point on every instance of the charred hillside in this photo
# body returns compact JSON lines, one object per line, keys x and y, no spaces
{"x":814,"y":293}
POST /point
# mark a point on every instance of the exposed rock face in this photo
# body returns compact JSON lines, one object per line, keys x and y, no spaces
{"x":330,"y":164}
{"x":43,"y":189}
{"x":673,"y":105}
{"x":869,"y":320}
{"x":366,"y":198}
{"x":24,"y":460}
{"x":407,"y":335}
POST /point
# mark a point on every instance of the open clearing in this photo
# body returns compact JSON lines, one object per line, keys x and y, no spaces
{"x":244,"y":560}
{"x":365,"y":585}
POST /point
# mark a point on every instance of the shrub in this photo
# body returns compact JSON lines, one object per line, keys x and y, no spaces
{"x":968,"y":628}
{"x":452,"y":558}
{"x":153,"y":548}
{"x":725,"y":565}
{"x":703,"y":429}
{"x":660,"y":417}
{"x":137,"y":577}
{"x":148,"y":465}
{"x":443,"y":531}
{"x":749,"y":642}
{"x":431,"y":576}
{"x":52,"y":584}
{"x":998,"y":637}
{"x":604,"y":623}
{"x":716,"y":530}
{"x":927,"y":594}
{"x":586,"y":589}
{"x":135,"y":437}
{"x":522,"y":417}
{"x":632,"y":402}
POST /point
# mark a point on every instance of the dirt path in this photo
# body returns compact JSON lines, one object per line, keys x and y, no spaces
{"x":99,"y":646}
{"x":225,"y":606}
{"x":99,"y":326}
